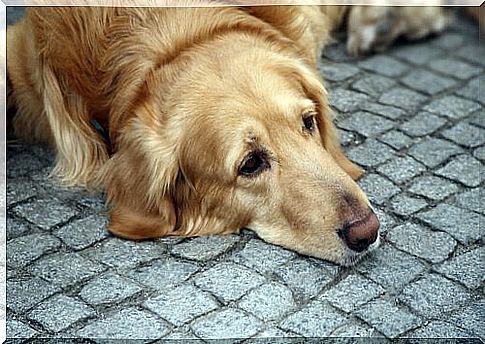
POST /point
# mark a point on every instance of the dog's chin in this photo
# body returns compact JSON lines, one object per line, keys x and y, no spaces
{"x":351,"y":257}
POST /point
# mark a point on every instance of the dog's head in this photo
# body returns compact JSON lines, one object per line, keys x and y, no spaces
{"x":243,"y":138}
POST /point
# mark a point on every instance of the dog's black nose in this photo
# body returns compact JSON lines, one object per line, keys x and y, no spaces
{"x":359,"y":233}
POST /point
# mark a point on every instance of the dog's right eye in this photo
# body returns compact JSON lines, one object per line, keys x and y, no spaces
{"x":253,"y":164}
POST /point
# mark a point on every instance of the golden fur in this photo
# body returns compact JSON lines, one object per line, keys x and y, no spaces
{"x":186,"y":94}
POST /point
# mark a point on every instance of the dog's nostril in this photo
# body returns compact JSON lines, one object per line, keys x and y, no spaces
{"x":359,"y":234}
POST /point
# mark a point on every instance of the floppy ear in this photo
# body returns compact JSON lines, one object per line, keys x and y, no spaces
{"x":314,"y":89}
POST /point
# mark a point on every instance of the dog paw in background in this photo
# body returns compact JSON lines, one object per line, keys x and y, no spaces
{"x":375,"y":28}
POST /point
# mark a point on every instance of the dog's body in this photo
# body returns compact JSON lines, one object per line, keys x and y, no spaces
{"x":217,"y":119}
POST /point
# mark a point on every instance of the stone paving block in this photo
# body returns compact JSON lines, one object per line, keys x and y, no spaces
{"x":125,"y":254}
{"x":464,"y":169}
{"x":347,"y":101}
{"x":16,"y":329}
{"x":406,"y":205}
{"x":419,"y":241}
{"x":377,"y":188}
{"x":396,"y":139}
{"x":275,"y":334}
{"x":127,"y":324}
{"x":45,"y":212}
{"x":448,"y":41}
{"x":366,"y":124}
{"x":354,"y":331}
{"x":225,"y":324}
{"x":24,"y":250}
{"x":465,"y":135}
{"x":96,"y":202}
{"x":268,"y":302}
{"x":261,"y":256}
{"x":384,"y":65}
{"x":205,"y":248}
{"x":317,"y":319}
{"x":424,"y":123}
{"x":452,"y":107}
{"x":20,"y":189}
{"x":384,"y":110}
{"x":370,"y":153}
{"x":21,"y":163}
{"x":472,"y":90}
{"x":60,"y":312}
{"x":472,"y":200}
{"x":427,"y":82}
{"x":432,"y":151}
{"x":435,"y":188}
{"x":402,"y":98}
{"x":374,"y":85}
{"x":434,"y":295}
{"x":479,"y":153}
{"x":65,"y":269}
{"x":388,"y":318}
{"x":391,"y":268}
{"x":417,"y":54}
{"x":84,"y":232}
{"x":472,"y":52}
{"x":298,"y":270}
{"x":462,"y":224}
{"x":25,"y":293}
{"x":478,"y":118}
{"x":163,"y":274}
{"x":467,"y":268}
{"x":439,"y":329}
{"x":347,"y":137}
{"x":338,"y":71}
{"x":228,"y":281}
{"x":181,"y":304}
{"x":16,"y":227}
{"x":471,"y":318}
{"x":386,"y":220}
{"x":107,"y":289}
{"x":401,"y":169}
{"x":181,"y":336}
{"x":352,"y":292}
{"x":455,"y":68}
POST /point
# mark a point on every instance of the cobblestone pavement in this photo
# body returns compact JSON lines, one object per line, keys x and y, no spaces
{"x":413,"y":117}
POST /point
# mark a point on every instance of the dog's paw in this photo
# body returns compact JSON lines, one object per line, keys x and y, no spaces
{"x":374,"y":28}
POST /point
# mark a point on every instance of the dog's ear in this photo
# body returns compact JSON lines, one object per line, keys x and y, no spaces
{"x":315,"y":91}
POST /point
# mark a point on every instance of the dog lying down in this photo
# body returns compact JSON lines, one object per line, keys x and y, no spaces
{"x":215,"y":117}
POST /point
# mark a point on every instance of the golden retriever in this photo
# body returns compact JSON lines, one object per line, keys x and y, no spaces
{"x":199,"y":121}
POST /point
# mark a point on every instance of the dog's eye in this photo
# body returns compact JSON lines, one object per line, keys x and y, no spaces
{"x":309,"y":122}
{"x":253,"y":164}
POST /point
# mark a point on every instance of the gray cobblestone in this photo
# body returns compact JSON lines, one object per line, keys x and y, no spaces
{"x":401,"y":169}
{"x":45,"y":213}
{"x":60,"y":312}
{"x":182,"y":304}
{"x":417,"y":54}
{"x":25,"y":293}
{"x":353,"y":330}
{"x":448,"y":41}
{"x":478,"y":118}
{"x":129,"y":323}
{"x":387,"y":222}
{"x":65,"y":269}
{"x":423,"y":123}
{"x":347,"y":137}
{"x":297,"y":270}
{"x":16,"y":329}
{"x":466,"y":268}
{"x":227,"y":323}
{"x":107,"y":289}
{"x":20,"y":190}
{"x":433,"y":152}
{"x":465,"y":135}
{"x":205,"y":248}
{"x":396,"y":139}
{"x":275,"y":334}
{"x":430,"y":296}
{"x":472,"y":53}
{"x":16,"y":228}
{"x":384,"y":110}
{"x":435,"y":188}
{"x":366,"y":124}
{"x":384,"y":65}
{"x":479,"y":153}
{"x":452,"y":107}
{"x":163,"y":274}
{"x":347,"y":101}
{"x":439,"y":329}
{"x":23,"y":250}
{"x":402,"y":98}
{"x":455,"y":68}
{"x":228,"y":281}
{"x":374,"y":85}
{"x":472,"y":90}
{"x":352,"y":292}
{"x":388,"y":318}
{"x":464,"y":169}
{"x":338,"y":72}
{"x":268,"y":302}
{"x":377,"y":188}
{"x":471,"y":318}
{"x":84,"y":232}
{"x":318,"y":319}
{"x":472,"y":199}
{"x":463,"y":225}
{"x":405,"y":205}
{"x":391,"y":268}
{"x":370,"y":153}
{"x":419,"y":241}
{"x":427,"y":82}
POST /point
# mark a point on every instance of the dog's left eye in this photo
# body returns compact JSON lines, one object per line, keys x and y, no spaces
{"x":309,"y":122}
{"x":253,"y":164}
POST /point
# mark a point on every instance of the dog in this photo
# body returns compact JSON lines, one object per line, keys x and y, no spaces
{"x":198,"y":121}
